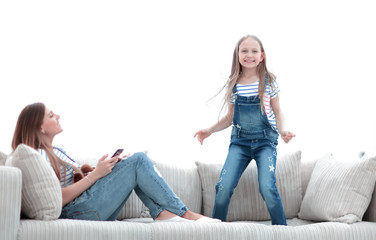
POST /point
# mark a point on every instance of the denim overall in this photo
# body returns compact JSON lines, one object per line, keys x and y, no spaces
{"x":252,"y":137}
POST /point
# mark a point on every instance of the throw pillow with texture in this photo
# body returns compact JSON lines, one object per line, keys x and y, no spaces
{"x":339,"y":191}
{"x":3,"y":157}
{"x":246,"y":202}
{"x":41,"y":191}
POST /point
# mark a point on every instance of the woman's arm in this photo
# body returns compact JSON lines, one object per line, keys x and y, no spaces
{"x":224,"y":123}
{"x":280,"y":119}
{"x":103,"y":168}
{"x":74,"y":190}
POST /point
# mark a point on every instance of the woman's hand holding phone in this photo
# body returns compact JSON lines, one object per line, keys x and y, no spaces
{"x":117,"y":154}
{"x":104,"y":165}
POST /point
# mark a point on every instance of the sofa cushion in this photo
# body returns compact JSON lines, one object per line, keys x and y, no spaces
{"x":339,"y":191}
{"x":247,"y":203}
{"x":3,"y":157}
{"x":184,"y":181}
{"x":41,"y":191}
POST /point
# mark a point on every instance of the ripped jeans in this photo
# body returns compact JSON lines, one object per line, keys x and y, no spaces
{"x":260,"y":146}
{"x":105,"y":199}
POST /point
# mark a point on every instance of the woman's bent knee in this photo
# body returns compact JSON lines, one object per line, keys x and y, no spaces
{"x":141,"y":155}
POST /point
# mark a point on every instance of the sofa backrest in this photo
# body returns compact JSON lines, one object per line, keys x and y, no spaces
{"x":185,"y":181}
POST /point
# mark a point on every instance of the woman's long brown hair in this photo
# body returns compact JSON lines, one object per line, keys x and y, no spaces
{"x":28,"y":132}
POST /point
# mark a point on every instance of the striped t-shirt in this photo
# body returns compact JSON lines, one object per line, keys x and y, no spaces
{"x":248,"y":90}
{"x":69,"y":169}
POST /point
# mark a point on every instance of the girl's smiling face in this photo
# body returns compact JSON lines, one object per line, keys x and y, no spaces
{"x":250,"y":54}
{"x":51,"y":126}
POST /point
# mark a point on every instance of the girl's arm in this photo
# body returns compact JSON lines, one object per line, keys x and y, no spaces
{"x":280,"y":119}
{"x":103,"y":168}
{"x":224,"y":123}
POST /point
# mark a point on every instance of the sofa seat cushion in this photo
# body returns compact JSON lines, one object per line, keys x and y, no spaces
{"x":79,"y":229}
{"x":41,"y":190}
{"x":246,"y":202}
{"x":62,"y":229}
{"x":339,"y":190}
{"x":256,"y":230}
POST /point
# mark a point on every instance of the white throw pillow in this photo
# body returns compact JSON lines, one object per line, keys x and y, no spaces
{"x":41,"y":191}
{"x":3,"y":157}
{"x":247,"y":203}
{"x":339,"y":191}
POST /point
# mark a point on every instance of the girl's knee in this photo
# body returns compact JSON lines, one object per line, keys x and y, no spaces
{"x":268,"y":190}
{"x":224,"y":190}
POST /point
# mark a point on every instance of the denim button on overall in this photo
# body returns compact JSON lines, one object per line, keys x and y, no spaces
{"x":252,"y":137}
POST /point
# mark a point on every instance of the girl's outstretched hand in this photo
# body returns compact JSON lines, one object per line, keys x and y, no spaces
{"x":202,"y":134}
{"x":287,"y":136}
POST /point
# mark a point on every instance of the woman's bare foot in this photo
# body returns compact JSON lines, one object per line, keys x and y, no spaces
{"x":167,"y":216}
{"x":198,"y":217}
{"x":191,"y":215}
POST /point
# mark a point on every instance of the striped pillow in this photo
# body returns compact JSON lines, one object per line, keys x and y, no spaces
{"x":41,"y":191}
{"x":339,"y":191}
{"x":246,"y":203}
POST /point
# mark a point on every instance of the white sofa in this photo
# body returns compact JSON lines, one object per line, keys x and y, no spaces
{"x":194,"y":185}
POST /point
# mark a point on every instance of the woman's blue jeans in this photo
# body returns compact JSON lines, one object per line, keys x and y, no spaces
{"x":105,"y":199}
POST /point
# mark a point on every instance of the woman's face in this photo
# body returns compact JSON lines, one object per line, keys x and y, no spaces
{"x":250,"y":54}
{"x":51,"y":126}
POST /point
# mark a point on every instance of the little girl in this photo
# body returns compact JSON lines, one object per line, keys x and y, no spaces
{"x":257,"y":120}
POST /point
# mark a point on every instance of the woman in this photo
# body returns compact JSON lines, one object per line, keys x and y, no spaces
{"x":101,"y":194}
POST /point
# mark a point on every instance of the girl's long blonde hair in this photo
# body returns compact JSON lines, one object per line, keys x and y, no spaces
{"x":236,"y":71}
{"x":28,"y":132}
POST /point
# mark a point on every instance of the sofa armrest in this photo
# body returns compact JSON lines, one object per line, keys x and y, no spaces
{"x":10,"y":201}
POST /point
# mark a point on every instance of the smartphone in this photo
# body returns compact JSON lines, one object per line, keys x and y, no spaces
{"x":117,"y":152}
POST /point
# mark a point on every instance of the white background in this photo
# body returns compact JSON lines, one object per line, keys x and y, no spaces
{"x":139,"y":74}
